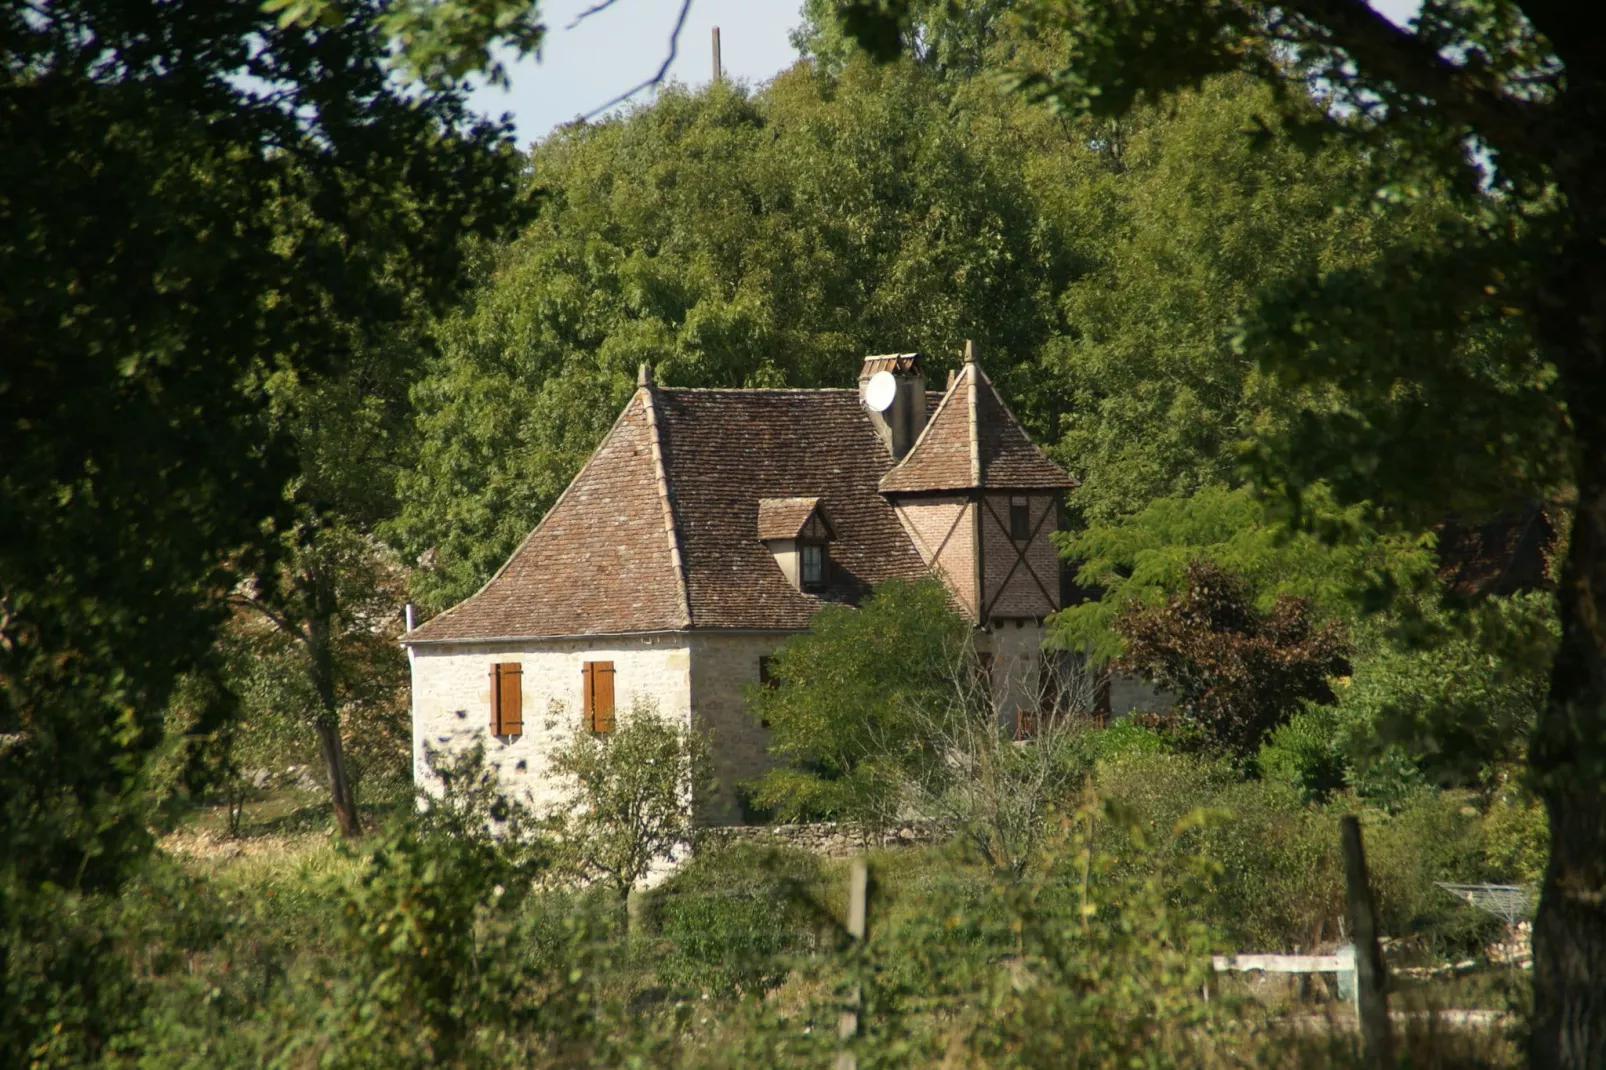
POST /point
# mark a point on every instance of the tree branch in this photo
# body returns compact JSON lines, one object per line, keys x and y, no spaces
{"x":1383,"y":50}
{"x":663,"y":70}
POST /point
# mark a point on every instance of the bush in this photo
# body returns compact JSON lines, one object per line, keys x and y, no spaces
{"x":1237,"y":672}
{"x":731,"y":920}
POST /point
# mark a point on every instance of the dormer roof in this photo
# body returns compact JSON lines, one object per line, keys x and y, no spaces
{"x":974,"y":442}
{"x":793,"y":518}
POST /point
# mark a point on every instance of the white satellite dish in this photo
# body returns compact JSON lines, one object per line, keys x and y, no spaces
{"x":880,"y":392}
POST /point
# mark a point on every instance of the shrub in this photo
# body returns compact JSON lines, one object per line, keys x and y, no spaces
{"x":1237,"y":672}
{"x":730,"y":920}
{"x":631,"y":801}
{"x":840,"y":713}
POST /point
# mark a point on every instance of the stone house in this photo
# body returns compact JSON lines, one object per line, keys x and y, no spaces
{"x":710,"y":525}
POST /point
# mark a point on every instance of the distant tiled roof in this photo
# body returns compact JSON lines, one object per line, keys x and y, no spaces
{"x":1498,"y":557}
{"x":602,"y":560}
{"x":727,"y":449}
{"x":783,"y":518}
{"x":974,"y":441}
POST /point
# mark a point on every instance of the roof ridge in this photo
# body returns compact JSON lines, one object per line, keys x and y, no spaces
{"x":539,"y":524}
{"x":1009,"y":412}
{"x":661,"y":480}
{"x":975,"y":437}
{"x":758,"y":389}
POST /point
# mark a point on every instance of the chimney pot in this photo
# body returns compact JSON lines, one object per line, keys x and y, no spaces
{"x":902,"y":421}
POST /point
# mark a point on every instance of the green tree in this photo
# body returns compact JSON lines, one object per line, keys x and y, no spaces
{"x":729,"y":239}
{"x":632,"y":799}
{"x":196,"y":198}
{"x":846,"y":711}
{"x":336,"y":594}
{"x":1143,"y":558}
{"x":1471,"y":362}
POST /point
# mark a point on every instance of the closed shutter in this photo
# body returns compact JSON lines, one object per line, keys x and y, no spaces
{"x":507,"y":699}
{"x":602,"y":699}
{"x":512,"y":693}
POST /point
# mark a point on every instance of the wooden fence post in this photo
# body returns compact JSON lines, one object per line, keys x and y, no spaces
{"x":847,"y":1025}
{"x":1371,"y":977}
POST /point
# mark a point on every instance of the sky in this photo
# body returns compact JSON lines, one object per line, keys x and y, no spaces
{"x":584,"y":67}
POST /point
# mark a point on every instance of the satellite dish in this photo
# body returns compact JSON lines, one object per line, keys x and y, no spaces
{"x":880,"y":391}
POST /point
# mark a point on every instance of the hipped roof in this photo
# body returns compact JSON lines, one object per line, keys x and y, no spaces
{"x":973,"y":442}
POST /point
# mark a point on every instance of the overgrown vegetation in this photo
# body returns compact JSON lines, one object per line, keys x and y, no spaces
{"x":278,"y":359}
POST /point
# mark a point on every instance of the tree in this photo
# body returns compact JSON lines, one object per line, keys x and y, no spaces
{"x":1237,"y":673}
{"x":1002,"y":773}
{"x":845,"y":709}
{"x":632,"y":800}
{"x":1472,"y":362}
{"x":337,"y":594}
{"x":1144,"y":558}
{"x":196,"y":198}
{"x":730,"y":240}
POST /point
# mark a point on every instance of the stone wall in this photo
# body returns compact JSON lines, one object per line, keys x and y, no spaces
{"x":723,"y":668}
{"x":1128,"y":694}
{"x":824,"y":838}
{"x":452,"y":698}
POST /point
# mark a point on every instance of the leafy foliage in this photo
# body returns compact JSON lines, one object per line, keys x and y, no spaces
{"x":632,"y":803}
{"x":1237,"y":673}
{"x":197,"y":198}
{"x":845,"y":713}
{"x":1141,"y":559}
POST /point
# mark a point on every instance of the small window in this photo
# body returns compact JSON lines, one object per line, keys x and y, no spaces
{"x":597,"y":702}
{"x":507,"y":699}
{"x":813,"y":564}
{"x":1020,"y":519}
{"x":766,"y":678}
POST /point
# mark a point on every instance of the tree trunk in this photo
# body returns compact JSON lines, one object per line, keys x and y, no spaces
{"x":1568,"y":751}
{"x":334,"y":760}
{"x":320,"y":649}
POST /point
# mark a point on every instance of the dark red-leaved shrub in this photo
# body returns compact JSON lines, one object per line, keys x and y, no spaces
{"x":1238,"y":672}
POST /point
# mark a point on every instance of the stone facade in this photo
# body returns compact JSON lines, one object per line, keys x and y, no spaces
{"x":452,"y":698}
{"x":701,"y":679}
{"x":943,"y":530}
{"x":1021,"y":579}
{"x":724,"y":667}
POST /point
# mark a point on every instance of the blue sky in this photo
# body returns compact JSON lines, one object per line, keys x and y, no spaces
{"x":581,"y":69}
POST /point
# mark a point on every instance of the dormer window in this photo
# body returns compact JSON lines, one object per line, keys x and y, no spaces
{"x":813,"y":564}
{"x":796,"y":530}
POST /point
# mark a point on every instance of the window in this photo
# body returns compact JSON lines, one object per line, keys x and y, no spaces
{"x":813,"y":564}
{"x":1020,"y":519}
{"x":766,"y":678}
{"x":597,"y":701}
{"x":507,"y":699}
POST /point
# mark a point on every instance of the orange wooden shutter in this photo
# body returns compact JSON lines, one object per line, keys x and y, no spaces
{"x":512,"y":698}
{"x":602,"y":702}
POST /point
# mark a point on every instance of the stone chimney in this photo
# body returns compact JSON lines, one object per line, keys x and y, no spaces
{"x":898,"y":411}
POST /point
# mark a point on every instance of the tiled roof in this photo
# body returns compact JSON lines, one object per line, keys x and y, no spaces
{"x":783,"y":518}
{"x":600,"y":562}
{"x":974,"y":441}
{"x":727,"y":449}
{"x":662,"y":528}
